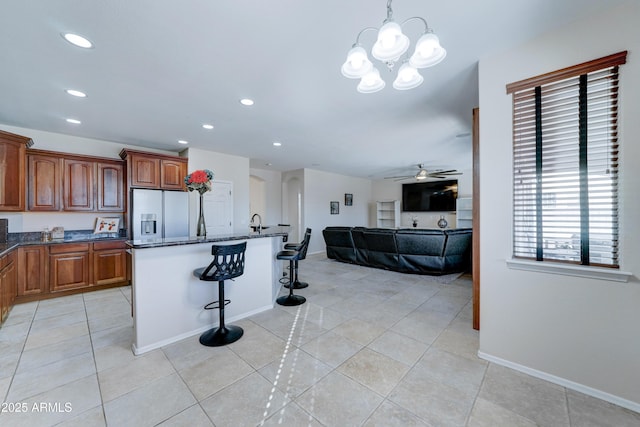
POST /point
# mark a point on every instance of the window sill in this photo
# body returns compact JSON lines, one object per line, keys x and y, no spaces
{"x":600,"y":273}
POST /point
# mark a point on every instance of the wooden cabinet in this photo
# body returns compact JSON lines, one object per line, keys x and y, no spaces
{"x":78,"y":184}
{"x":59,"y":181}
{"x":109,"y":262}
{"x":32,"y":265}
{"x":69,"y":266}
{"x":143,"y":171}
{"x":155,"y":171}
{"x":44,"y":182}
{"x":8,"y":283}
{"x":172,"y":173}
{"x":110,"y":181}
{"x":12,"y":171}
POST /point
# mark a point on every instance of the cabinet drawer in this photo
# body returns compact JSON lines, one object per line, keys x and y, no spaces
{"x":69,"y":247}
{"x":117,"y":244}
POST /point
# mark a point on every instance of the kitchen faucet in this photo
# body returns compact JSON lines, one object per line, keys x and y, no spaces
{"x":259,"y":219}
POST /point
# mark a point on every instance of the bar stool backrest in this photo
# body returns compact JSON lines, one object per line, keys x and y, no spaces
{"x":227,"y":263}
{"x":305,"y":244}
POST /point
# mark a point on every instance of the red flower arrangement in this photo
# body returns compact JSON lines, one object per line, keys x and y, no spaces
{"x":199,"y":181}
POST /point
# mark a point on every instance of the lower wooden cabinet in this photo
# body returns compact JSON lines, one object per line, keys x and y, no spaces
{"x":43,"y":271}
{"x":33,"y":264}
{"x":8,"y":283}
{"x":109,"y":263}
{"x":69,"y":266}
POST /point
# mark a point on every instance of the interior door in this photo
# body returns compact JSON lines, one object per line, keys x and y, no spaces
{"x":218,"y":208}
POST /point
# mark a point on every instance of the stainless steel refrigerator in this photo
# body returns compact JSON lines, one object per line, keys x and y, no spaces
{"x":158,"y":214}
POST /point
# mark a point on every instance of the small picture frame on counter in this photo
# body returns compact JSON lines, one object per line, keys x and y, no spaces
{"x":334,"y":208}
{"x":107,"y":225}
{"x":348,"y":199}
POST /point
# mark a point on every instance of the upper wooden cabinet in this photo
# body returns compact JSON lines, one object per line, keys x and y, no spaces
{"x":157,"y":171}
{"x":78,"y":184}
{"x":60,"y":181}
{"x":12,"y":171}
{"x":45,"y":183}
{"x":110,"y":186}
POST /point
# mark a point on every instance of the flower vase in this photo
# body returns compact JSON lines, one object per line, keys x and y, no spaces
{"x":442,"y":223}
{"x":201,"y":230}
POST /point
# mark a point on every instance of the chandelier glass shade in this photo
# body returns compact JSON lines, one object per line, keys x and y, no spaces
{"x":391,"y":44}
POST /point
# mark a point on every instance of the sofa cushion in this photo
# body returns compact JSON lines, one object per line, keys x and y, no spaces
{"x":362,"y":254}
{"x":381,"y":248}
{"x":420,"y":251}
{"x":457,"y":253}
{"x":339,"y":244}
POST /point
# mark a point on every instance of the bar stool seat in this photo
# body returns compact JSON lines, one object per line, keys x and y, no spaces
{"x":227,"y":263}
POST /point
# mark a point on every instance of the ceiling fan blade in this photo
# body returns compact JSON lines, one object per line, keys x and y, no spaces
{"x":444,"y":172}
{"x":399,"y":177}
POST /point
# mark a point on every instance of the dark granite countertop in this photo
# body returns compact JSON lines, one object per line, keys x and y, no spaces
{"x":71,"y":236}
{"x":271,"y":231}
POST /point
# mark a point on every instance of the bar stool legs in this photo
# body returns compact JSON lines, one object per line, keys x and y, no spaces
{"x":291,"y":299}
{"x":223,"y":334}
{"x":297,"y":284}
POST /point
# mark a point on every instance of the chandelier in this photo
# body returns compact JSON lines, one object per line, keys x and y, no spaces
{"x":389,"y":48}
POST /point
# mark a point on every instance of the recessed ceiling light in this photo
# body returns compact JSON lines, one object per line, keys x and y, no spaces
{"x":277,"y":144}
{"x":77,"y":40}
{"x":77,"y":93}
{"x":207,"y":126}
{"x":74,"y":121}
{"x":182,"y":141}
{"x":246,"y":101}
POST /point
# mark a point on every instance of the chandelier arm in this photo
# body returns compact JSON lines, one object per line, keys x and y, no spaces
{"x":357,"y":43}
{"x":426,"y":26}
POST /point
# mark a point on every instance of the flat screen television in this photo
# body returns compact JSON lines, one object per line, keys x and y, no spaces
{"x":432,"y":196}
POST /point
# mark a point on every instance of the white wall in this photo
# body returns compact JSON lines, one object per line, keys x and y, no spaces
{"x":226,"y":168}
{"x":320,"y":188}
{"x":272,"y":185}
{"x":37,"y":221}
{"x":582,"y":333}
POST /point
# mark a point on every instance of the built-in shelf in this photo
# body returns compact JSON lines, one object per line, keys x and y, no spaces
{"x":388,"y":214}
{"x":464,"y":212}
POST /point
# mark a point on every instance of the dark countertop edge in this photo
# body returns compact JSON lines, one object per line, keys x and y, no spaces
{"x":192,"y":240}
{"x":5,"y":248}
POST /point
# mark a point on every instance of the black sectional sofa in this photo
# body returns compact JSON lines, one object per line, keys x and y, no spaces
{"x":420,"y":251}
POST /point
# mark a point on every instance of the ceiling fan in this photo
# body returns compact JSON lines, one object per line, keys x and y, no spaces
{"x":423,"y":174}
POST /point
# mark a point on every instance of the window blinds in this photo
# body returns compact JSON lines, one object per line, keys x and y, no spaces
{"x":565,"y":167}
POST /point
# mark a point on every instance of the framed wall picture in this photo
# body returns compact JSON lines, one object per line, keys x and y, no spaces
{"x":348,"y":199}
{"x":335,"y":208}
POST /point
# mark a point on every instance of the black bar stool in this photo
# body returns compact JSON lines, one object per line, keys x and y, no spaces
{"x":228,"y":262}
{"x":293,"y":257}
{"x":297,"y":284}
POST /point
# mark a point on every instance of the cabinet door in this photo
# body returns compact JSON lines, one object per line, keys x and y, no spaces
{"x":8,"y":279}
{"x":78,"y":185}
{"x":44,"y":183}
{"x":172,"y":173}
{"x":12,"y":173}
{"x":69,"y":267}
{"x":110,"y":187}
{"x":144,"y":171}
{"x":109,"y":266}
{"x":32,"y":265}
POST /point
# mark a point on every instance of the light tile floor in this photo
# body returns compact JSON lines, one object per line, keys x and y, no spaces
{"x":369,"y":348}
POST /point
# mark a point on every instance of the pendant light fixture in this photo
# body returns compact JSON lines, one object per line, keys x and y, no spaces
{"x":389,"y":47}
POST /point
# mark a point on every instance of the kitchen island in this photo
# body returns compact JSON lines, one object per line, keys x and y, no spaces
{"x":168,"y":300}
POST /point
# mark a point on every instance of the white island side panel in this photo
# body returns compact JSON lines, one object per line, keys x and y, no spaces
{"x":168,"y":300}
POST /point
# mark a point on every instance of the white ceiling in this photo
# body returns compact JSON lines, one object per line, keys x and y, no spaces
{"x":162,"y":68}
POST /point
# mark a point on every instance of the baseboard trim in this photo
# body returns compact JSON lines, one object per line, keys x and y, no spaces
{"x":616,"y":400}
